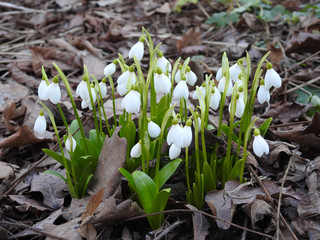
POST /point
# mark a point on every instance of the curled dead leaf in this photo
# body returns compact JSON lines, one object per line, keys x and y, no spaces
{"x":191,"y":38}
{"x":11,"y":113}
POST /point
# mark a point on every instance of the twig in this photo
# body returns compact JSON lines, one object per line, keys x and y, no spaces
{"x":289,"y":124}
{"x":201,"y":212}
{"x":25,"y":9}
{"x":22,"y":225}
{"x":301,"y":86}
{"x":167,"y":230}
{"x":280,"y":194}
{"x":269,"y":197}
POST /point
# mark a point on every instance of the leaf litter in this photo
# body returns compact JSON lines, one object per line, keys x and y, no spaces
{"x":35,"y":35}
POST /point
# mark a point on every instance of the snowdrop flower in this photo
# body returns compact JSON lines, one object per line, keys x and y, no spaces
{"x":153,"y":129}
{"x":215,"y":98}
{"x":260,"y":145}
{"x":82,"y":86}
{"x":272,"y":78}
{"x":162,"y":82}
{"x":177,"y":77}
{"x":174,"y":151}
{"x":235,"y":70}
{"x":40,"y":124}
{"x":181,"y":90}
{"x":239,"y":106}
{"x":136,"y":150}
{"x":222,"y":84}
{"x":203,"y":91}
{"x":199,"y":124}
{"x":103,"y":87}
{"x":219,"y":74}
{"x":52,"y":92}
{"x":187,"y":134}
{"x":175,"y":134}
{"x":68,"y":144}
{"x":131,"y":102}
{"x":191,"y":77}
{"x":110,"y":68}
{"x":41,"y":89}
{"x":263,"y":93}
{"x":86,"y":102}
{"x":137,"y":49}
{"x":163,"y":63}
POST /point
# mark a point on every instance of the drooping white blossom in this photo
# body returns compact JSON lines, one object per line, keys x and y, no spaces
{"x":263,"y":94}
{"x":103,"y":89}
{"x":40,"y":124}
{"x":222,"y":84}
{"x":41,"y":89}
{"x":68,"y":144}
{"x":187,"y":134}
{"x":174,"y":151}
{"x":82,"y":86}
{"x":175,"y":134}
{"x":153,"y":129}
{"x":215,"y":99}
{"x":110,"y":68}
{"x":131,"y":102}
{"x":163,"y":63}
{"x":272,"y":78}
{"x":234,"y":71}
{"x":181,"y":90}
{"x":260,"y":146}
{"x":219,"y":74}
{"x":162,"y":83}
{"x":136,"y":150}
{"x":239,"y":107}
{"x":137,"y":50}
{"x":52,"y":92}
{"x":191,"y":77}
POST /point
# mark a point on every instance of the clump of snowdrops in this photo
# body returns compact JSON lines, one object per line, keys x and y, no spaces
{"x":149,"y":94}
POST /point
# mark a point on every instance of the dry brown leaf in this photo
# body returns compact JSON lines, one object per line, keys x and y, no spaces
{"x":276,"y":54}
{"x":7,"y":170}
{"x":263,"y":216}
{"x":24,"y":136}
{"x":11,"y":113}
{"x":28,"y":203}
{"x":93,"y":203}
{"x":191,"y":38}
{"x":11,"y":91}
{"x":112,"y":157}
{"x":200,"y":224}
{"x":249,"y":20}
{"x":51,"y":187}
{"x":303,"y":42}
{"x":307,"y":137}
{"x":66,"y":230}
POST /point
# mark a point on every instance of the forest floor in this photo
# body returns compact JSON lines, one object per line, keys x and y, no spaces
{"x":283,"y":201}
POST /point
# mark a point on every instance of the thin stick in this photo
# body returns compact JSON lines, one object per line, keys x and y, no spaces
{"x":301,"y":86}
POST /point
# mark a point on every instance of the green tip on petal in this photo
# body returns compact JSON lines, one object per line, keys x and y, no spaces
{"x":104,"y":80}
{"x":55,"y":79}
{"x":188,"y":69}
{"x":159,"y":71}
{"x":261,"y":81}
{"x":269,"y":65}
{"x":183,"y":77}
{"x":41,"y":113}
{"x":240,"y":61}
{"x":178,"y":116}
{"x":160,"y":54}
{"x":131,"y":68}
{"x":115,"y":62}
{"x":213,"y":90}
{"x":175,"y":121}
{"x":238,"y":95}
{"x":142,"y":38}
{"x":256,"y":132}
{"x":240,"y":89}
{"x":135,"y":87}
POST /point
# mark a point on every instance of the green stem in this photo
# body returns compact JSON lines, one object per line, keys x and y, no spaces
{"x":187,"y":168}
{"x":113,"y":101}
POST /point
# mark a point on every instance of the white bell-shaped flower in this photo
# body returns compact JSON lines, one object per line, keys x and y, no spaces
{"x":272,"y":78}
{"x":263,"y":94}
{"x":137,"y":49}
{"x":110,"y":68}
{"x":203,"y":91}
{"x":163,"y":63}
{"x":42,"y":88}
{"x":174,"y":151}
{"x":136,"y":150}
{"x":52,"y":92}
{"x":239,"y":107}
{"x":219,"y":74}
{"x":68,"y":144}
{"x":222,"y":84}
{"x":181,"y":90}
{"x":234,"y":71}
{"x":260,"y":145}
{"x":103,"y":88}
{"x":86,"y":102}
{"x":187,"y":134}
{"x":175,"y":134}
{"x":122,"y":89}
{"x":162,"y":82}
{"x":215,"y":99}
{"x":191,"y":77}
{"x":177,"y":77}
{"x":153,"y":129}
{"x":40,"y":124}
{"x":127,"y":76}
{"x":80,"y":88}
{"x":131,"y":102}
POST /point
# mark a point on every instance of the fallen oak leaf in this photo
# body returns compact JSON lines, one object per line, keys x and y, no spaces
{"x":10,"y":113}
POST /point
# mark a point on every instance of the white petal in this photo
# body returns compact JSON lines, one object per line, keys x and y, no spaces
{"x":131,"y":102}
{"x":263,"y":94}
{"x":177,"y":77}
{"x":137,"y":50}
{"x":55,"y":93}
{"x":234,"y":70}
{"x":191,"y":78}
{"x":153,"y":129}
{"x":41,"y":89}
{"x":260,"y":146}
{"x":215,"y":100}
{"x":40,"y":125}
{"x":187,"y":136}
{"x":181,"y":91}
{"x":222,"y":84}
{"x":162,"y":83}
{"x":123,"y":78}
{"x":103,"y":89}
{"x":68,"y":144}
{"x":109,"y":69}
{"x":272,"y":79}
{"x":174,"y":152}
{"x":239,"y":108}
{"x":136,"y":150}
{"x":80,"y":87}
{"x":122,"y":89}
{"x":164,"y":64}
{"x":219,"y":74}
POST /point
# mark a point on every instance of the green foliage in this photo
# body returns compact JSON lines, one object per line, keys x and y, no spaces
{"x":181,"y":3}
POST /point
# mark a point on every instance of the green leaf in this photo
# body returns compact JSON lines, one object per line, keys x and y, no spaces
{"x":146,"y":189}
{"x":57,"y":157}
{"x":235,"y":172}
{"x":129,"y":177}
{"x":94,"y":138}
{"x":168,"y":170}
{"x":222,"y":18}
{"x":92,"y":148}
{"x":74,"y":126}
{"x":225,"y":130}
{"x":158,"y":205}
{"x":56,"y":174}
{"x":265,"y":126}
{"x":209,"y":180}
